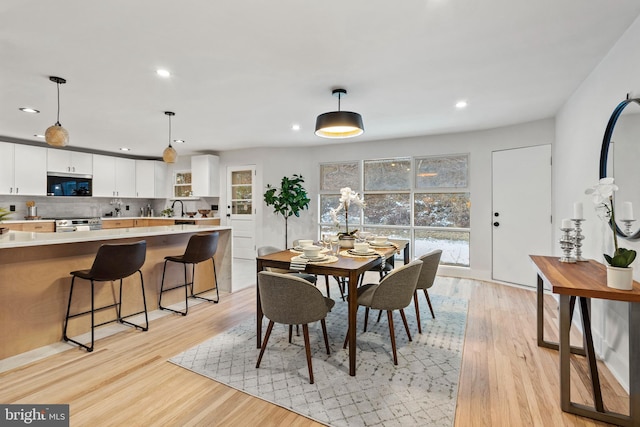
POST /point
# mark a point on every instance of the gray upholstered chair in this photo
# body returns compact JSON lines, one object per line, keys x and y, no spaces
{"x":428,"y":273}
{"x":394,"y":292}
{"x":290,"y":300}
{"x":266,"y":250}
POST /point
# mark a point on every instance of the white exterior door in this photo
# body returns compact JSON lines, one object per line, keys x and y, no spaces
{"x":241,"y":210}
{"x":521,"y":185}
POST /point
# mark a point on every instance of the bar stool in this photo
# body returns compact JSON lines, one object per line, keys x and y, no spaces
{"x":112,"y":262}
{"x":201,"y":247}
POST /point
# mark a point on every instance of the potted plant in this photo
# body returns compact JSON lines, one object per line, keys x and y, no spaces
{"x":619,"y":270}
{"x":4,"y":214}
{"x":347,"y":197}
{"x":290,"y":199}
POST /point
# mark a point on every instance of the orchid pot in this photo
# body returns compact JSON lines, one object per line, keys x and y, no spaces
{"x":619,"y":270}
{"x":620,"y":278}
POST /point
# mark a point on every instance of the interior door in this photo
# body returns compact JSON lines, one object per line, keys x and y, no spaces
{"x":521,"y":186}
{"x":241,"y":211}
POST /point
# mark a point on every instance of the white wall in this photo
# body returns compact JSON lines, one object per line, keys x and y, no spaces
{"x":273,"y":164}
{"x":580,"y":126}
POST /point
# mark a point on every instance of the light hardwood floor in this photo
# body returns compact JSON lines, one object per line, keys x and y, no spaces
{"x":506,"y":380}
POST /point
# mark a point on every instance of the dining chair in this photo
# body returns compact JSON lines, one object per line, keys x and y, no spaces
{"x":394,"y":292}
{"x":290,"y":300}
{"x":427,"y":277}
{"x":112,"y":262}
{"x":200,"y":248}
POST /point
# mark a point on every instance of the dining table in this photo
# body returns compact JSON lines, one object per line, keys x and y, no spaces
{"x":348,"y":267}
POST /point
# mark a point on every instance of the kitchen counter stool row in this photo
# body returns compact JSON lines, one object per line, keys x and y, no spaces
{"x":119,"y":261}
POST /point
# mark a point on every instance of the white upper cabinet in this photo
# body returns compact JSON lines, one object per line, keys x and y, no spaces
{"x":69,"y":162}
{"x":23,"y":169}
{"x":113,"y":176}
{"x":151,"y":179}
{"x":205,"y":172}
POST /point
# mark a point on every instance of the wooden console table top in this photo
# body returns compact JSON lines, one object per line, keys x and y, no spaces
{"x":583,"y":279}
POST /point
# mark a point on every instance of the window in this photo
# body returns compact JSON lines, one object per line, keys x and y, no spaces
{"x":425,"y":200}
{"x":442,"y":208}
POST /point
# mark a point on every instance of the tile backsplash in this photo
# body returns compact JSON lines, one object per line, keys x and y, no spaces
{"x":53,"y":207}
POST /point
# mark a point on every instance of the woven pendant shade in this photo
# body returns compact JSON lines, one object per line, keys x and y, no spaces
{"x":56,"y":136}
{"x":169,"y":155}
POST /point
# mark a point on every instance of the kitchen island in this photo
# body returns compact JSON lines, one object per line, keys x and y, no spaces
{"x":35,"y":279}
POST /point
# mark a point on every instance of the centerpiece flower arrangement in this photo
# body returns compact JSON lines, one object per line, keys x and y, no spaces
{"x":347,"y":198}
{"x":602,"y":195}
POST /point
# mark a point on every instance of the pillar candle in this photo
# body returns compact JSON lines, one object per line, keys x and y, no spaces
{"x":567,"y":223}
{"x":627,"y":210}
{"x":577,"y":210}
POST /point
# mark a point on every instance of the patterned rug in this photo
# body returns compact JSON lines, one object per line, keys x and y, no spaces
{"x":421,"y":390}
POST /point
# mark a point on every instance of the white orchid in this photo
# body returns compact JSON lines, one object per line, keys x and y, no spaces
{"x":602,"y":195}
{"x":347,"y":197}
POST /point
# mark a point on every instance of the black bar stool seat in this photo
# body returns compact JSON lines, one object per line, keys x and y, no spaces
{"x":112,"y":262}
{"x":200,"y":248}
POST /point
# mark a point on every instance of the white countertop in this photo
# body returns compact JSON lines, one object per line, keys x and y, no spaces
{"x":108,"y":218}
{"x":18,"y":239}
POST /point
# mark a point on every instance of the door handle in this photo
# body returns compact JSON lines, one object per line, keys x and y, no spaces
{"x":496,"y":224}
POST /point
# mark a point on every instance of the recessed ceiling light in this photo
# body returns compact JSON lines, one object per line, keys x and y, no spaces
{"x":29,"y":110}
{"x":461,"y":104}
{"x":38,"y":136}
{"x":295,"y":126}
{"x":125,"y":149}
{"x":179,"y":141}
{"x":163,"y":73}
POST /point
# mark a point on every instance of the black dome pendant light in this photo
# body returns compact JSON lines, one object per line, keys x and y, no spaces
{"x":56,"y":135}
{"x":339,"y":124}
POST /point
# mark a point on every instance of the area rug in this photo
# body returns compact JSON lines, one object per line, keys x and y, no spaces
{"x":421,"y":390}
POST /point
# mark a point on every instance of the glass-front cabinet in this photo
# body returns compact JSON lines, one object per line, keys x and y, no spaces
{"x":182,"y":185}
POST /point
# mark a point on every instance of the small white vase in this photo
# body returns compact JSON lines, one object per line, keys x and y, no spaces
{"x":620,"y":278}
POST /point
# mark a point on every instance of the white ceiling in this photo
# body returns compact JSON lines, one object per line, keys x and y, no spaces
{"x":244,"y":71}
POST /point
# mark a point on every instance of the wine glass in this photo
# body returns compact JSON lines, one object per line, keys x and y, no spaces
{"x":326,"y":240}
{"x":335,"y":244}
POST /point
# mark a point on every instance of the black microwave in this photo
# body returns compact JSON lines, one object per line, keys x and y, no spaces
{"x":59,"y":184}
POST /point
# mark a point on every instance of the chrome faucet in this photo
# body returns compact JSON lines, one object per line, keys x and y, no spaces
{"x":181,"y":207}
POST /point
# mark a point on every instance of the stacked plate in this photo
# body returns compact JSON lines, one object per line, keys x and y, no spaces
{"x":367,"y":252}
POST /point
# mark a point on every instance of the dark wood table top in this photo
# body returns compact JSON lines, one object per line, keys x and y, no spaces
{"x":584,"y":279}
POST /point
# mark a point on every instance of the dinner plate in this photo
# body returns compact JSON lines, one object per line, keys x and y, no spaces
{"x":368,"y":252}
{"x":320,"y":258}
{"x":381,"y":245}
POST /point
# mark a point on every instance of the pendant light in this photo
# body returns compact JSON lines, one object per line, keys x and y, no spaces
{"x":56,"y":135}
{"x":339,"y":124}
{"x":169,"y":154}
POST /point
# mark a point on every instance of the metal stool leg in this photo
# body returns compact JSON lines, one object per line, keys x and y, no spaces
{"x":215,"y":280}
{"x":162,"y":290}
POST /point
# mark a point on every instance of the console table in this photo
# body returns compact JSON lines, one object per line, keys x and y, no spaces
{"x":586,"y":280}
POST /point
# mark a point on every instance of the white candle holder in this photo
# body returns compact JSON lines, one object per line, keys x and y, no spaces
{"x":578,"y":238}
{"x":627,"y":225}
{"x":567,"y":244}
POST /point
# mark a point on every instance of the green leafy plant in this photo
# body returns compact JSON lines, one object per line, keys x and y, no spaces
{"x":602,"y":194}
{"x":288,"y":200}
{"x":4,"y":214}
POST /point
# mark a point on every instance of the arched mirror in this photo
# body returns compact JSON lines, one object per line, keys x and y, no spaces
{"x":619,"y":159}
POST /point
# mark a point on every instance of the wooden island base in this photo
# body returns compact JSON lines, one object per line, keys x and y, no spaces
{"x":35,"y":283}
